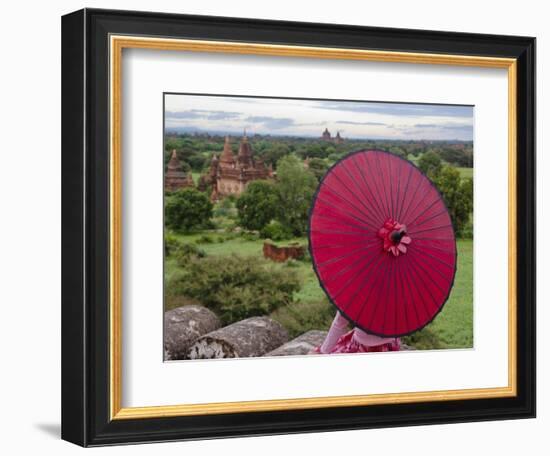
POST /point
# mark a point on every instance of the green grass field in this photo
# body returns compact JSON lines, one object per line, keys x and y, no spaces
{"x":466,"y":173}
{"x":452,"y":328}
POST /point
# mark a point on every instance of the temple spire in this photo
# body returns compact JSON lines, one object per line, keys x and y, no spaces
{"x":174,"y":163}
{"x":245,"y":151}
{"x":227,"y":154}
{"x":176,"y":178}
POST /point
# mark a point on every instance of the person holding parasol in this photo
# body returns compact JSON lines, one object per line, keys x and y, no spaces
{"x":383,"y":247}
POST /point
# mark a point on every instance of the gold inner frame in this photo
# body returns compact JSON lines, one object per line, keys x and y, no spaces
{"x":117,"y":44}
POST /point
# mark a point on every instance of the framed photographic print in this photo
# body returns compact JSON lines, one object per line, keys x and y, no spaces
{"x":275,"y":227}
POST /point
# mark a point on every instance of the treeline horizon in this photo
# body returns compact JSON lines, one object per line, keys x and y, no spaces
{"x":196,"y":151}
{"x":219,"y":134}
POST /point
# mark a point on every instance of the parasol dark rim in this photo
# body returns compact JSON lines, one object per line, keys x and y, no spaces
{"x":310,"y":215}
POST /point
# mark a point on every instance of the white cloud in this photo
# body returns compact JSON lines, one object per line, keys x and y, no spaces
{"x":310,"y":117}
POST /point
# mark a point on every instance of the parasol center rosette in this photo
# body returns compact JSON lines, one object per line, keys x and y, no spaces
{"x":394,"y":237}
{"x":382,"y":243}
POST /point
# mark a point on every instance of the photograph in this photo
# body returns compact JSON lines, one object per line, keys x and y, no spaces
{"x":311,"y":227}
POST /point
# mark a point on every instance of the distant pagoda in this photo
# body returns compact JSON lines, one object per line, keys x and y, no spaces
{"x":176,"y":178}
{"x":326,"y":136}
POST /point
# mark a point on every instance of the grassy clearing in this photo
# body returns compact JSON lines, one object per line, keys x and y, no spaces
{"x":466,"y":173}
{"x":453,"y":327}
{"x":413,"y":158}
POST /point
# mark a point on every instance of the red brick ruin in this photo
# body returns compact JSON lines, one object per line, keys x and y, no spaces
{"x":229,"y":175}
{"x":281,"y":254}
{"x":176,"y":178}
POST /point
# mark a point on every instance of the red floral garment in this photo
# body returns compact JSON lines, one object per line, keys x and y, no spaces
{"x":347,"y":344}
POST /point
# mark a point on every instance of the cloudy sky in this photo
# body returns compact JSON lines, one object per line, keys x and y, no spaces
{"x":359,"y":120}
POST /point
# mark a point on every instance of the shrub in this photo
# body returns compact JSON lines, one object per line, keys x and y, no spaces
{"x":276,"y":231}
{"x":205,"y":239}
{"x":187,"y":209}
{"x":230,"y":234}
{"x":299,"y":317}
{"x":172,"y":302}
{"x":187,"y":252}
{"x":224,"y":223}
{"x":224,"y":208}
{"x":171,"y":243}
{"x":467,"y":231}
{"x":306,"y":257}
{"x":236,"y":287}
{"x":249,"y":236}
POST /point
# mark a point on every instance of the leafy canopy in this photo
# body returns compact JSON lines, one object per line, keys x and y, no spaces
{"x":458,"y":194}
{"x":257,"y":206}
{"x":430,"y":164}
{"x":296,"y":187}
{"x":187,"y":209}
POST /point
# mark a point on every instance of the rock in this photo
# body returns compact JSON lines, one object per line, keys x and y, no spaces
{"x":183,"y":325}
{"x":302,"y":345}
{"x":247,"y":338}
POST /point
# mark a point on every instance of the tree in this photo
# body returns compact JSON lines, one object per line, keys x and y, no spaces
{"x":458,"y":195}
{"x":318,"y":167}
{"x":461,"y":156}
{"x":295,"y":187}
{"x":274,"y":152}
{"x":257,"y":206}
{"x":329,"y":150}
{"x":399,"y":151}
{"x":430,"y":164}
{"x":196,"y":161}
{"x":187,"y":209}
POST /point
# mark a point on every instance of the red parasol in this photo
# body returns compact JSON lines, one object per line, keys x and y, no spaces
{"x":382,"y":243}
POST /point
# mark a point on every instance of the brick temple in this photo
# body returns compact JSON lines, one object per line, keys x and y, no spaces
{"x":230,"y":174}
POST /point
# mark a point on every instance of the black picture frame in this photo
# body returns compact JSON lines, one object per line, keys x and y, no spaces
{"x":85,"y":228}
